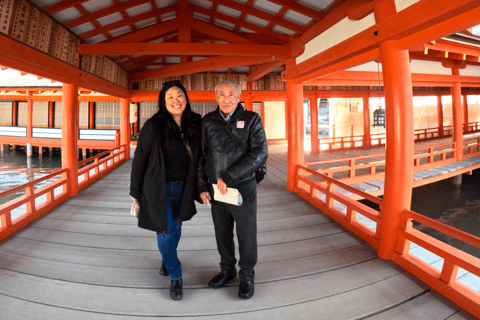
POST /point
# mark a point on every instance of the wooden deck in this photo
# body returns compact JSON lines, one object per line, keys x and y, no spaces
{"x":87,"y":259}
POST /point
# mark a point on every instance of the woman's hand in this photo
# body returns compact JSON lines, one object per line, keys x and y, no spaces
{"x":205,"y":197}
{"x":133,"y":199}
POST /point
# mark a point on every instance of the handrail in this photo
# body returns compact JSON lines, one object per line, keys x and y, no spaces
{"x":102,"y":166}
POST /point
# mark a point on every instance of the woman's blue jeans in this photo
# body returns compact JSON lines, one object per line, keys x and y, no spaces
{"x":168,"y":242}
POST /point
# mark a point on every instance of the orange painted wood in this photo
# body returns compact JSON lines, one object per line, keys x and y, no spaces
{"x":315,"y":147}
{"x":399,"y":144}
{"x":202,"y":49}
{"x":125,"y":127}
{"x":29,"y":117}
{"x":51,"y":114}
{"x":69,"y":135}
{"x":215,"y":32}
{"x":197,"y":67}
{"x":147,"y":33}
{"x":366,"y":122}
{"x":263,"y":70}
{"x":457,"y":115}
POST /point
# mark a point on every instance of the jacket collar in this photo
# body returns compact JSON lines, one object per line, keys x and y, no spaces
{"x":239,"y":113}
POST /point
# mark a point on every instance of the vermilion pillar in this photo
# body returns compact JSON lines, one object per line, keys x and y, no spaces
{"x":465,"y":113}
{"x":248,"y":97}
{"x":69,"y":135}
{"x":136,"y":125}
{"x":51,"y":114}
{"x":29,"y":124}
{"x":457,"y":115}
{"x":399,"y":144}
{"x":91,"y":115}
{"x":15,"y":113}
{"x":295,"y":127}
{"x":315,"y":147}
{"x":367,"y":141}
{"x":125,"y":127}
{"x":440,"y":116}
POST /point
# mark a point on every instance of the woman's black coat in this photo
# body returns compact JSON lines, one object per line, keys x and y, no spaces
{"x":147,"y":181}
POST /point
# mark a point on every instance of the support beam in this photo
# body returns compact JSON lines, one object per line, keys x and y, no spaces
{"x":218,"y":33}
{"x":294,"y":127}
{"x":367,"y":141}
{"x":51,"y":114}
{"x":125,"y":127}
{"x":399,"y":145}
{"x":315,"y":146}
{"x":91,"y":115}
{"x":147,"y":33}
{"x":198,"y":66}
{"x":70,"y":135}
{"x":440,"y":115}
{"x":264,"y":69}
{"x":457,"y":115}
{"x":202,"y":49}
{"x":465,"y":113}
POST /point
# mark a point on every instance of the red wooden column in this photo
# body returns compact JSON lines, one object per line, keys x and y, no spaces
{"x":51,"y":114}
{"x":457,"y":115}
{"x":136,"y":125}
{"x":367,"y":141}
{"x":125,"y":127}
{"x":465,"y":113}
{"x":440,"y":116}
{"x":15,"y":113}
{"x":249,"y":97}
{"x":295,"y":127}
{"x":91,"y":115}
{"x":69,"y":135}
{"x":29,"y":123}
{"x":399,"y":144}
{"x":315,"y":146}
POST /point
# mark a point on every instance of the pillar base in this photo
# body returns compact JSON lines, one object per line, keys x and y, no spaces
{"x":29,"y":150}
{"x":457,"y":180}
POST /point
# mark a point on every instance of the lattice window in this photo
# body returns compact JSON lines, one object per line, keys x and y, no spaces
{"x":203,"y":107}
{"x":22,"y":114}
{"x":40,"y":114}
{"x":58,"y":114}
{"x":257,"y":107}
{"x":83,"y":115}
{"x":147,"y":109}
{"x":107,"y":115}
{"x":6,"y":113}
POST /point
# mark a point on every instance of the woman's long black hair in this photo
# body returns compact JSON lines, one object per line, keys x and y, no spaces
{"x":187,"y":121}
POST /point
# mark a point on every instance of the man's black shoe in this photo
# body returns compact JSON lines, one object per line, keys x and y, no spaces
{"x":163,"y":270}
{"x":222,"y":279}
{"x":246,"y":289}
{"x":176,"y":289}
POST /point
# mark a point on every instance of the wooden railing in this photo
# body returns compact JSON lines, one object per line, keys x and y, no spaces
{"x":39,"y":201}
{"x":378,"y":139}
{"x":322,"y":191}
{"x":445,"y":280}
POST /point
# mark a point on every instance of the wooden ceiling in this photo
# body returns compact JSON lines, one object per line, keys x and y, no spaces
{"x":144,"y":35}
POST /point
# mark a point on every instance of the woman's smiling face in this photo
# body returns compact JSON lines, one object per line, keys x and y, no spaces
{"x":175,"y":101}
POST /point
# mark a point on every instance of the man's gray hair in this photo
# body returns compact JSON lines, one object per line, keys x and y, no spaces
{"x":229,"y":83}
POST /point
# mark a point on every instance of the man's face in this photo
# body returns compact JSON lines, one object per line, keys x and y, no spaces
{"x":227,"y":98}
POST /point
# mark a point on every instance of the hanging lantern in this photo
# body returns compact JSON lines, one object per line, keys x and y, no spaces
{"x":379,"y":117}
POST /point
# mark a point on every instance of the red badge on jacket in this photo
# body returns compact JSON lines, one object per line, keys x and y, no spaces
{"x":240,"y":124}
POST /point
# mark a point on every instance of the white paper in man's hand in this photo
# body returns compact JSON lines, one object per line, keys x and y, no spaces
{"x":231,"y":197}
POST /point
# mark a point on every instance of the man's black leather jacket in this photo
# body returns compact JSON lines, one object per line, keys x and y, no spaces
{"x":223,"y":157}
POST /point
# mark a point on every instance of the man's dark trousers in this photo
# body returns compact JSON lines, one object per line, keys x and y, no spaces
{"x":245,"y":217}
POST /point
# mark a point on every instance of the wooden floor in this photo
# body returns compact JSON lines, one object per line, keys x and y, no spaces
{"x":87,"y":259}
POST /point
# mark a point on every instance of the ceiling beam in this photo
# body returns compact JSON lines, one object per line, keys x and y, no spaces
{"x":263,"y":70}
{"x":62,"y":5}
{"x":225,"y":49}
{"x":125,"y":22}
{"x":262,"y":15}
{"x":421,"y":22}
{"x":241,"y":23}
{"x":218,"y":32}
{"x":197,"y":67}
{"x":147,"y":33}
{"x":23,"y":58}
{"x":300,"y":8}
{"x":103,"y":12}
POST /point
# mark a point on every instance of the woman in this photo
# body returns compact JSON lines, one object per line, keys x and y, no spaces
{"x":163,"y":178}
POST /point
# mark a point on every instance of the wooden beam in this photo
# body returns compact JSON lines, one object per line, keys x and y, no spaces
{"x":408,"y":27}
{"x":131,"y":20}
{"x":261,"y":14}
{"x":264,"y":69}
{"x":300,"y":8}
{"x":103,"y":12}
{"x":218,"y":32}
{"x":62,"y":5}
{"x":241,"y":23}
{"x":23,"y":58}
{"x":148,"y":33}
{"x":198,"y":66}
{"x":442,"y":45}
{"x":279,"y":52}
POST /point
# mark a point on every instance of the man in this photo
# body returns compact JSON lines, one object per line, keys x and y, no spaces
{"x":231,"y":163}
